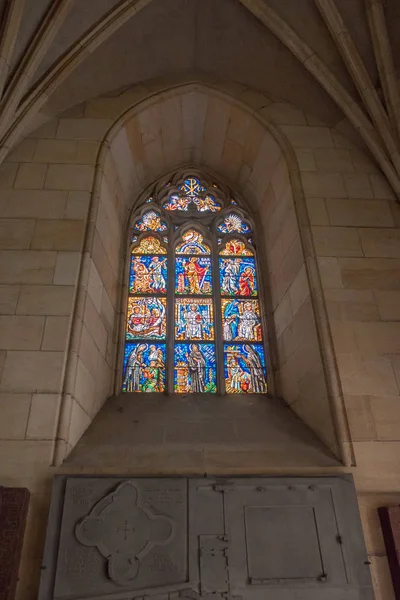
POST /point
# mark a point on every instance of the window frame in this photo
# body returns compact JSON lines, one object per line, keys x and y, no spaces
{"x":178,"y":222}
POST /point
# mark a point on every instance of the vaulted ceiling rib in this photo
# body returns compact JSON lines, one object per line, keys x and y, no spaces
{"x":316,"y":53}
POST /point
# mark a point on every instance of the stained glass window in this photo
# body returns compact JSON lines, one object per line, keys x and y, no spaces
{"x":194,"y":320}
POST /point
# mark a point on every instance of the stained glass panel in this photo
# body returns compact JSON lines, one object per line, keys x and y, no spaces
{"x":194,"y":319}
{"x":146,"y":318}
{"x":144,"y":367}
{"x":148,"y":274}
{"x":151,"y":221}
{"x":192,"y":195}
{"x":193,"y":275}
{"x":235,"y":248}
{"x":233,"y":224}
{"x":192,"y":243}
{"x":194,"y":368}
{"x":238,"y":277}
{"x":241,"y":320}
{"x":149,"y":245}
{"x":244,"y":369}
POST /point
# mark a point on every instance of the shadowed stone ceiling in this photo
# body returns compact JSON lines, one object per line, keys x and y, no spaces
{"x":180,"y":37}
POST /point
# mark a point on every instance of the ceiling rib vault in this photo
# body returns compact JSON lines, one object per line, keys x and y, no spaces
{"x":376,"y":118}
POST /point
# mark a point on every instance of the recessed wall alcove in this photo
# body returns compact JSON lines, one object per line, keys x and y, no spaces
{"x":299,"y":423}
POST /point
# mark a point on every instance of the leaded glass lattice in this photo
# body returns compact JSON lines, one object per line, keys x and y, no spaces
{"x":194,"y":321}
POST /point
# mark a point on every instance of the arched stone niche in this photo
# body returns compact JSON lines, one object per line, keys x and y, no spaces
{"x":193,"y":125}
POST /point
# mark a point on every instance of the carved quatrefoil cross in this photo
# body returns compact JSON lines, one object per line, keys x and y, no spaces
{"x":123,"y":532}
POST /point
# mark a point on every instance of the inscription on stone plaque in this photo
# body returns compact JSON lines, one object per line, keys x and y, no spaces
{"x":123,"y":532}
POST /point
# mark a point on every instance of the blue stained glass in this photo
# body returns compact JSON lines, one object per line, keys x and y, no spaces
{"x":194,"y":368}
{"x":148,"y":275}
{"x":244,"y":369}
{"x":193,"y":275}
{"x":241,"y":320}
{"x":233,"y":224}
{"x":238,"y":276}
{"x":192,"y":193}
{"x":144,"y":367}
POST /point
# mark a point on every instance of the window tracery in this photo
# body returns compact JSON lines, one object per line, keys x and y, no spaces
{"x":193,"y":320}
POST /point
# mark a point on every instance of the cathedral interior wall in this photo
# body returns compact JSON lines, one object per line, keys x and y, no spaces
{"x":60,"y":277}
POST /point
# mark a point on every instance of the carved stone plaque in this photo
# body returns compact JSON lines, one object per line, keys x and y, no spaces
{"x":225,"y":539}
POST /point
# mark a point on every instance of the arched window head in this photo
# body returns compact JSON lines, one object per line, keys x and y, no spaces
{"x":193,"y":318}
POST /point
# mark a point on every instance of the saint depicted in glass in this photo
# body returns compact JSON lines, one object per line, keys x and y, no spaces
{"x":238,"y":277}
{"x":146,"y":318}
{"x":194,"y":319}
{"x":194,"y":368}
{"x":148,"y":275}
{"x":144,"y":367}
{"x":241,"y":320}
{"x":193,"y":275}
{"x":181,"y":246}
{"x":150,"y":221}
{"x":233,"y":223}
{"x":244,"y":368}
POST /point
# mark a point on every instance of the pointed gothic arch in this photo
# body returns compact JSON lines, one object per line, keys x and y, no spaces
{"x":193,"y":316}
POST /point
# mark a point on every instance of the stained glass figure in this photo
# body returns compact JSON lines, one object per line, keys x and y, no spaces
{"x":241,"y":320}
{"x":194,"y":319}
{"x":235,"y":248}
{"x":149,"y":245}
{"x":192,"y":243}
{"x":244,"y":369}
{"x":149,"y":200}
{"x":234,"y":202}
{"x":146,"y":318}
{"x":233,"y":223}
{"x":192,"y":195}
{"x":144,"y":367}
{"x":134,"y":238}
{"x":150,"y":221}
{"x":238,"y":277}
{"x":193,"y":275}
{"x":165,"y":240}
{"x":148,"y":275}
{"x":194,"y":368}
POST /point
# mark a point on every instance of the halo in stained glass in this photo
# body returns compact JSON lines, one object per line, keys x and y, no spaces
{"x":144,"y":367}
{"x":193,"y":275}
{"x":233,"y":223}
{"x":149,"y":245}
{"x":194,"y":368}
{"x":150,"y":221}
{"x":235,"y":248}
{"x":146,"y":318}
{"x":194,"y":319}
{"x":238,"y":277}
{"x":241,"y":320}
{"x":192,"y":244}
{"x":244,"y":369}
{"x":148,"y":275}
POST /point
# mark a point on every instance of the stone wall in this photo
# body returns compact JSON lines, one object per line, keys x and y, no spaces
{"x":61,"y":251}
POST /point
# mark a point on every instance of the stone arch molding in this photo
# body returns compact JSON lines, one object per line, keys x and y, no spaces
{"x":207,"y":129}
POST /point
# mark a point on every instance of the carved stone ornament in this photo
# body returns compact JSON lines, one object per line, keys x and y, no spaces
{"x":180,"y":538}
{"x":123,"y":532}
